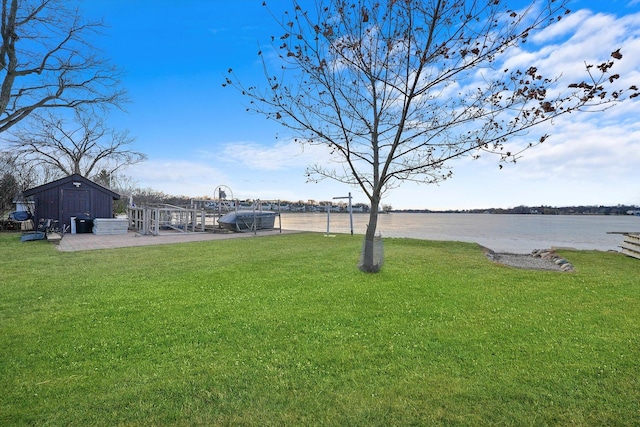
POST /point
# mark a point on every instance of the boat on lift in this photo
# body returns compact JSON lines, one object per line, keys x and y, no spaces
{"x":248,"y":220}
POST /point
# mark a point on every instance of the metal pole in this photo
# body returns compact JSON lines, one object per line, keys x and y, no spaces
{"x":328,"y":215}
{"x":255,"y":215}
{"x":279,"y":217}
{"x":350,"y":214}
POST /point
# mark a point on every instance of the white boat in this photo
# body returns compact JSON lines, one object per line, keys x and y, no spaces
{"x":248,"y":220}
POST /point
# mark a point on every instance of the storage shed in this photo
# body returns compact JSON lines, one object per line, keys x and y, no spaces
{"x":73,"y":196}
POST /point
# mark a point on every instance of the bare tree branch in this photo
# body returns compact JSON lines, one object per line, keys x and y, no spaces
{"x":48,"y":61}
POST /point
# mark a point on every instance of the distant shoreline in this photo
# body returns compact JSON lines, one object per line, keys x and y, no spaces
{"x":539,"y":210}
{"x":518,"y":210}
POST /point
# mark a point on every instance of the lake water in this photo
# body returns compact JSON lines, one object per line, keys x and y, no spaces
{"x":502,"y":233}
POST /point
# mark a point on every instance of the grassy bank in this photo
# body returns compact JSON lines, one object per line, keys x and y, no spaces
{"x":285,"y":330}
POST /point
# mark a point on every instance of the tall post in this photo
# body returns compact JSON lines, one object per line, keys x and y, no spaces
{"x":350,"y":214}
{"x":328,"y":215}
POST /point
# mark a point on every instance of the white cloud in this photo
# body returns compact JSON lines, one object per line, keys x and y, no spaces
{"x":579,"y":154}
{"x":252,"y":171}
{"x":282,"y":156}
{"x":563,"y":48}
{"x":565,"y":27}
{"x":178,"y":177}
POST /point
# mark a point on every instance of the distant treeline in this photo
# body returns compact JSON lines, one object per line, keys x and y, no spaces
{"x":544,"y":210}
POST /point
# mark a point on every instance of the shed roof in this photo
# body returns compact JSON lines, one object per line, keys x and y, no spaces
{"x":71,"y":178}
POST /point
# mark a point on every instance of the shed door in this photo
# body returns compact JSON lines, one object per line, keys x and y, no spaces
{"x":75,"y":202}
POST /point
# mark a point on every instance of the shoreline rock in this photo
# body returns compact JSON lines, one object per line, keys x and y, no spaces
{"x":539,"y":259}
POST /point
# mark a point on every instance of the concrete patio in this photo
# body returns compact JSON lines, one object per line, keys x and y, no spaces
{"x":88,"y":241}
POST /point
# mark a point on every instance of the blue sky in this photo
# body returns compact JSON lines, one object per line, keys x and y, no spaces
{"x":197,"y":134}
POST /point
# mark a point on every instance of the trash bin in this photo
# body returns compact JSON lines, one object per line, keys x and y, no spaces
{"x":84,"y":224}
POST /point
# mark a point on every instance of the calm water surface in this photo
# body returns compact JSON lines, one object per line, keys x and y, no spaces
{"x":505,"y":233}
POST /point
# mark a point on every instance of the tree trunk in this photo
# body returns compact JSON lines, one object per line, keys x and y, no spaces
{"x":368,"y":263}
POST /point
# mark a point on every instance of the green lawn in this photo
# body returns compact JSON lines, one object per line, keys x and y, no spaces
{"x":285,"y":330}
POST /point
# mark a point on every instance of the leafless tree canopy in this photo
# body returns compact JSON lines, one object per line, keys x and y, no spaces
{"x":48,"y":61}
{"x":399,"y":88}
{"x":84,"y":145}
{"x":9,"y":187}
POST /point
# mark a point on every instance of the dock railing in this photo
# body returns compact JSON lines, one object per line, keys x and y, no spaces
{"x":153,"y":220}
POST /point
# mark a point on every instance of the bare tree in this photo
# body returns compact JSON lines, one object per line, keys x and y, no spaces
{"x":9,"y":189}
{"x":398,"y":89}
{"x":25,"y":175}
{"x":48,"y":61}
{"x":84,"y":145}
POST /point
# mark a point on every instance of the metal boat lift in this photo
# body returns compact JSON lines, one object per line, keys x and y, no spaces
{"x":156,"y":219}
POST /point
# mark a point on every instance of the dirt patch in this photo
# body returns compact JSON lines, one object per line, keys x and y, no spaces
{"x":539,"y":259}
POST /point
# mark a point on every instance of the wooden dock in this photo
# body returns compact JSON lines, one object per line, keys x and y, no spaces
{"x":631,"y":245}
